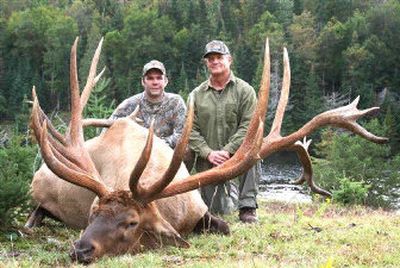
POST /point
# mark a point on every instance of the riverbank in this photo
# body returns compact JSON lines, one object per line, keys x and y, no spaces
{"x":287,"y":235}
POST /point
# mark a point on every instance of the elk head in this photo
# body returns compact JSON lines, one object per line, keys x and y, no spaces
{"x":119,"y":224}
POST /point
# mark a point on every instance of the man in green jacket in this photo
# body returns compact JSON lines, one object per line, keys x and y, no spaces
{"x":224,"y":105}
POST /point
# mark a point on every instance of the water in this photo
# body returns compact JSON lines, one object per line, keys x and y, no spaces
{"x":278,"y":171}
{"x":282,"y":168}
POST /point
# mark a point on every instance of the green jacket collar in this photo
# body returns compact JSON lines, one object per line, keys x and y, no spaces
{"x":232,"y":79}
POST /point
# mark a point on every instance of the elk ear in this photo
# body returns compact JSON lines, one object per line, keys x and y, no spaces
{"x":160,"y":234}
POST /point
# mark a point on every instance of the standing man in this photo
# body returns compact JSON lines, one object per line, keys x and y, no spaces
{"x":224,"y":105}
{"x":168,"y":109}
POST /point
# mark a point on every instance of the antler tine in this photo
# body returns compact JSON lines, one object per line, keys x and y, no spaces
{"x":94,"y":122}
{"x":263,"y":93}
{"x":133,"y":116}
{"x":58,"y":149}
{"x":137,"y":171}
{"x":75,"y":131}
{"x":261,"y":108}
{"x":77,"y":102}
{"x":134,"y":113}
{"x":97,"y":78}
{"x":70,"y":175}
{"x":91,"y":79}
{"x":41,"y":116}
{"x":301,"y":148}
{"x":35,"y":116}
{"x":283,"y":100}
{"x":176,"y":160}
{"x":38,"y":119}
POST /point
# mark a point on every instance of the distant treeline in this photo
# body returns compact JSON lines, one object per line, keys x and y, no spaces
{"x":338,"y":49}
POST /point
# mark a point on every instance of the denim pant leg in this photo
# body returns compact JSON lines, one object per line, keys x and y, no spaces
{"x":248,"y":187}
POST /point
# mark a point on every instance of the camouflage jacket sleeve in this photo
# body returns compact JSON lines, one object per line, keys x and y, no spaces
{"x":180,"y":112}
{"x":126,"y":107}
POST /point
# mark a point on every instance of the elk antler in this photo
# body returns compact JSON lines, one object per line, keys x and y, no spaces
{"x":344,"y":117}
{"x":67,"y":156}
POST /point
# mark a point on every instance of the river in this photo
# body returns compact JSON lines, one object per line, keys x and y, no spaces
{"x":278,"y":171}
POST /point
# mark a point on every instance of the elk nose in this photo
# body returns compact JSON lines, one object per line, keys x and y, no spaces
{"x":82,"y":251}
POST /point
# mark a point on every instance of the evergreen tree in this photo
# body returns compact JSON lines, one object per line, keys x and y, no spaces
{"x":331,"y":43}
{"x":313,"y":101}
{"x":182,"y":85}
{"x":282,"y":10}
{"x":59,"y":36}
{"x":93,"y":39}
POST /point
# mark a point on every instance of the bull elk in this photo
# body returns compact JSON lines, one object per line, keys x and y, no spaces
{"x":129,"y":189}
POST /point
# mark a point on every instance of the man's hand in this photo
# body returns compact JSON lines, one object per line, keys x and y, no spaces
{"x":218,"y":157}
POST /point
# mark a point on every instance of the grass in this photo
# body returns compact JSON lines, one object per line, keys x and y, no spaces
{"x":287,"y":235}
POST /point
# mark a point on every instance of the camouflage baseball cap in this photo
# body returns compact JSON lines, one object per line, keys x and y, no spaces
{"x":216,"y":46}
{"x":153,"y":64}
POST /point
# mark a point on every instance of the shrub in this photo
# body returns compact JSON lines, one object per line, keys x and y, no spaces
{"x":350,"y":192}
{"x":16,"y":169}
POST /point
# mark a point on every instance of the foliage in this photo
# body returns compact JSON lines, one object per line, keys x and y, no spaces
{"x":360,"y":161}
{"x":350,"y":192}
{"x":16,"y":169}
{"x":37,"y":42}
{"x":22,"y":119}
{"x":346,"y":47}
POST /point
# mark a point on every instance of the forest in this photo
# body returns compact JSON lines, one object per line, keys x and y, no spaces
{"x":338,"y":49}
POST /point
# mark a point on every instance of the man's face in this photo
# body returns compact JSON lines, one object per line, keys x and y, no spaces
{"x":154,"y":83}
{"x":218,"y":63}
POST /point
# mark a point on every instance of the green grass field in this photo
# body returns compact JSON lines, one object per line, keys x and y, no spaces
{"x":317,"y":235}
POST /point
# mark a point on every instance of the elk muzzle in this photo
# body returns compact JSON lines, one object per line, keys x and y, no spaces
{"x":83,"y":251}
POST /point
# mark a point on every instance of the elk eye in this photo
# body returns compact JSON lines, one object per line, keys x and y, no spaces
{"x":132,"y":224}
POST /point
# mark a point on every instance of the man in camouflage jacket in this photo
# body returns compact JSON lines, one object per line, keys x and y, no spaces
{"x":168,"y":109}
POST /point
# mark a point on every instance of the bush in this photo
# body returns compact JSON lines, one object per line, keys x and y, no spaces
{"x":350,"y":192}
{"x":16,"y":169}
